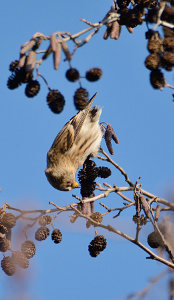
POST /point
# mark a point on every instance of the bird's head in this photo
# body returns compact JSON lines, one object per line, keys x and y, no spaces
{"x":61,"y":181}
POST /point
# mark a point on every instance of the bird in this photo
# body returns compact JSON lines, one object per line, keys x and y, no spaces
{"x":79,"y":138}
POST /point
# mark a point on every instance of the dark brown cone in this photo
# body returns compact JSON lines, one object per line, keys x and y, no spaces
{"x":93,"y":74}
{"x":168,"y":14}
{"x":3,"y":229}
{"x":157,"y":79}
{"x":28,"y":249}
{"x":92,"y":251}
{"x":56,"y":101}
{"x":8,"y":266}
{"x":8,"y":220}
{"x":86,"y":177}
{"x":169,"y":43}
{"x":56,"y":236}
{"x":155,"y":43}
{"x":152,"y":61}
{"x":123,"y":3}
{"x":72,"y":74}
{"x":154,"y":240}
{"x":4,"y":244}
{"x":104,"y":172}
{"x":13,"y":82}
{"x":152,"y":15}
{"x":168,"y":58}
{"x":133,"y":17}
{"x":99,"y":243}
{"x":168,"y":32}
{"x":42,"y":233}
{"x":147,"y":3}
{"x":13,"y":65}
{"x":32,"y":88}
{"x":81,"y":98}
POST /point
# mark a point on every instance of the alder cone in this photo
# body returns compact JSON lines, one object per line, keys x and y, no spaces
{"x":8,"y":220}
{"x":28,"y":248}
{"x":99,"y":243}
{"x":157,"y":79}
{"x":153,"y":61}
{"x":168,"y":58}
{"x":123,"y":3}
{"x":81,"y":98}
{"x":92,"y":251}
{"x":168,"y":43}
{"x":154,"y":240}
{"x":93,"y":74}
{"x":104,"y":172}
{"x":13,"y":65}
{"x":8,"y":266}
{"x":72,"y":74}
{"x":155,"y":43}
{"x":56,"y":236}
{"x":4,"y":244}
{"x":45,"y":220}
{"x":3,"y":229}
{"x":56,"y":101}
{"x":42,"y":233}
{"x":13,"y":81}
{"x":32,"y":88}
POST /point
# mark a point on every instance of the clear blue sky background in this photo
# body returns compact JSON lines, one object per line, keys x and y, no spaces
{"x":143,"y":120}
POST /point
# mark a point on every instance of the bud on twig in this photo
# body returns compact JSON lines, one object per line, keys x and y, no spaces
{"x":22,"y":60}
{"x":57,"y":55}
{"x":157,"y":213}
{"x":115,"y":31}
{"x":110,"y":135}
{"x":31,"y":60}
{"x":107,"y":32}
{"x":27,"y":46}
{"x":66,"y":51}
{"x":53,"y":42}
{"x":145,"y":206}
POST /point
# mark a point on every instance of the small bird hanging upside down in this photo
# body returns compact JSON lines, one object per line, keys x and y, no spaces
{"x":78,"y":139}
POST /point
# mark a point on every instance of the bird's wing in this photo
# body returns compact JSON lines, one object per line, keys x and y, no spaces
{"x":66,"y":137}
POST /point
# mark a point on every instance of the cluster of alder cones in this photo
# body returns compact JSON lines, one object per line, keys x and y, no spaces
{"x":134,"y":13}
{"x":55,"y":99}
{"x":20,"y":258}
{"x":131,"y":13}
{"x":13,"y":259}
{"x":161,"y":56}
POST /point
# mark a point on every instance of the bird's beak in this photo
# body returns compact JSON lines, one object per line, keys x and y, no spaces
{"x":75,"y":185}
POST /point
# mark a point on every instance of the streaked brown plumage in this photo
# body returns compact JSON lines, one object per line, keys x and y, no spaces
{"x":79,"y":138}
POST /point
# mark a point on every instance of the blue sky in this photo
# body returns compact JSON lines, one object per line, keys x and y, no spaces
{"x":143,"y":120}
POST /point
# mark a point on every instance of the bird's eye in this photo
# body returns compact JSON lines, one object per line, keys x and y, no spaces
{"x":68,"y":184}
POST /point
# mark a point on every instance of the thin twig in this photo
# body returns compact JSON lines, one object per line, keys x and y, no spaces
{"x":118,"y":167}
{"x":152,"y":255}
{"x":153,"y":281}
